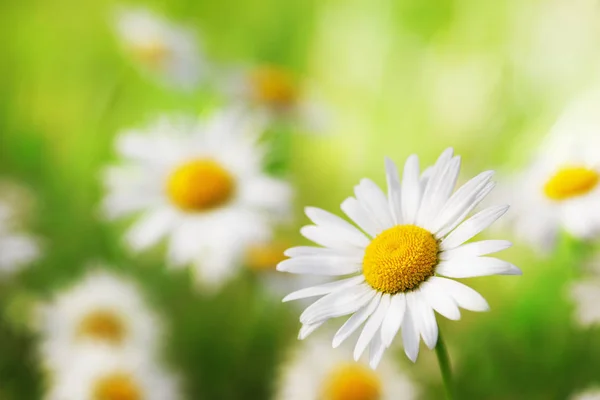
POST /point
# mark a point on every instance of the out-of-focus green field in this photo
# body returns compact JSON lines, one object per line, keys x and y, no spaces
{"x":409,"y":76}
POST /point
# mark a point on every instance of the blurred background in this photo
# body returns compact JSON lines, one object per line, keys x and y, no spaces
{"x":396,"y":77}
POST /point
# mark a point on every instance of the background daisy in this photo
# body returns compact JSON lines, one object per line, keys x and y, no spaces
{"x":201,"y":185}
{"x":315,"y":371}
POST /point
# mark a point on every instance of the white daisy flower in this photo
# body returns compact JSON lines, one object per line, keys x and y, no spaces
{"x":588,"y":395}
{"x":99,"y":373}
{"x":406,"y":242}
{"x":317,"y":372}
{"x":279,"y":95}
{"x":17,"y":249}
{"x":586,"y":295}
{"x":201,"y":185}
{"x":160,"y":47}
{"x":561,"y":190}
{"x":101,"y":309}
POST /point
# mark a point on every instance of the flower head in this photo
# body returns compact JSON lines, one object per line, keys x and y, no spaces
{"x":317,"y":372}
{"x":397,"y":258}
{"x":561,"y":187}
{"x":160,"y":47}
{"x":200,"y":184}
{"x":17,"y":249}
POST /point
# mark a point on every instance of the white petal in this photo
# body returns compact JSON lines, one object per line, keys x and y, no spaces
{"x":437,"y":192}
{"x":372,"y":326}
{"x":460,"y":201}
{"x":410,"y":336}
{"x":476,"y":249}
{"x":513,"y":270}
{"x":355,"y":211}
{"x":150,"y":229}
{"x":376,"y":350}
{"x":393,"y":319}
{"x":355,"y":321}
{"x":374,"y":201}
{"x":411,"y":190}
{"x":323,"y":289}
{"x":394,"y":190}
{"x":440,"y":301}
{"x":343,"y":229}
{"x":473,"y":267}
{"x":301,"y":251}
{"x":473,"y":226}
{"x":423,"y":317}
{"x":320,"y":265}
{"x":306,"y":330}
{"x":463,"y":295}
{"x":326,"y":237}
{"x":339,"y":303}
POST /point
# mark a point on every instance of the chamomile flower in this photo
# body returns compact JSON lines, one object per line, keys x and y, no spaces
{"x":100,"y":309}
{"x":317,"y":372}
{"x":561,"y":188}
{"x":99,"y":373}
{"x":200,"y":184}
{"x":400,"y":258}
{"x":588,"y":395}
{"x":278,"y":94}
{"x":17,"y":249}
{"x":160,"y":47}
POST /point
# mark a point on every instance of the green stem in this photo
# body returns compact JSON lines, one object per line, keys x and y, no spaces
{"x":444,"y":360}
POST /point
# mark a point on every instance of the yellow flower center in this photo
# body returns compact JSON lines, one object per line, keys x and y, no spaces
{"x":200,"y":185}
{"x":352,"y":382}
{"x":117,"y":386}
{"x":273,"y":86}
{"x":152,"y":54}
{"x":571,"y":182}
{"x":265,"y":257}
{"x":102,"y":325}
{"x":400,"y":259}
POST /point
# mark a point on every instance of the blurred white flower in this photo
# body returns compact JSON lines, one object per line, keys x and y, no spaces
{"x":317,"y":372}
{"x":160,"y":47}
{"x":403,"y":242}
{"x":561,"y":187}
{"x":201,"y":185}
{"x":586,"y":295}
{"x":17,"y":249}
{"x":103,"y":308}
{"x":277,"y":94}
{"x":588,"y":395}
{"x":100,"y":373}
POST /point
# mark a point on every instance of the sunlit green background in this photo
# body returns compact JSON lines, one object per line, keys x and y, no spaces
{"x":486,"y":77}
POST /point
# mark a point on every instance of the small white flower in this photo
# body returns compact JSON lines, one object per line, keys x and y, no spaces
{"x":201,"y":185}
{"x":406,"y":240}
{"x":317,"y":372}
{"x":586,"y":295}
{"x":588,"y":395}
{"x":561,"y":188}
{"x":101,"y":309}
{"x":100,"y":373}
{"x":277,"y":93}
{"x":160,"y":47}
{"x":17,"y":249}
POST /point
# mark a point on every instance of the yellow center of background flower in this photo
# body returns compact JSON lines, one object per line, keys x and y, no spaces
{"x":117,"y":387}
{"x":200,"y":185}
{"x":571,"y":182}
{"x":400,"y":259}
{"x":273,"y":86}
{"x":152,"y":54}
{"x":352,"y":382}
{"x":102,"y":325}
{"x":265,"y":257}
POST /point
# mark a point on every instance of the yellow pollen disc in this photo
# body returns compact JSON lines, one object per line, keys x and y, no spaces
{"x":152,"y":54}
{"x":273,"y":86}
{"x":571,"y":182}
{"x":352,"y":382}
{"x":117,"y":386}
{"x":200,"y":185}
{"x":400,"y":259}
{"x":102,"y":325}
{"x":265,"y":257}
